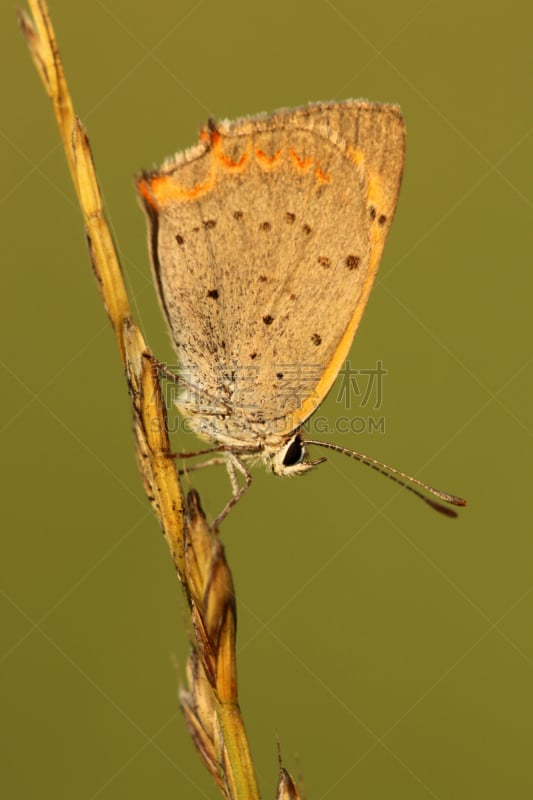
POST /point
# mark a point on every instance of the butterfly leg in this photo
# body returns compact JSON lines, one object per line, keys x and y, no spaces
{"x":212,"y":407}
{"x":234,"y":464}
{"x":193,"y":453}
{"x":212,"y":462}
{"x":162,"y":368}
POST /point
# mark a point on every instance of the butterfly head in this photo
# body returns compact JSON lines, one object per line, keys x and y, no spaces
{"x":288,"y":460}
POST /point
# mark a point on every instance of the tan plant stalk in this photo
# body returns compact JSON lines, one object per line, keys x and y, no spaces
{"x":210,"y":702}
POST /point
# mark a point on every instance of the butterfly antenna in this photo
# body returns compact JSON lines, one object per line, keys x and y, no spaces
{"x":395,"y":474}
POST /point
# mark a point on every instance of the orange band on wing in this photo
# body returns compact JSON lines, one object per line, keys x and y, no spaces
{"x":163,"y":188}
{"x":267,"y":161}
{"x":300,"y":163}
{"x":224,"y":160}
{"x":357,"y":156}
{"x":321,"y":176}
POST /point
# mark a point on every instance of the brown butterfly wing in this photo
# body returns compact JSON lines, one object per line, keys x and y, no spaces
{"x":266,"y":238}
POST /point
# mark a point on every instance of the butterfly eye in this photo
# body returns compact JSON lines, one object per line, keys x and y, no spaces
{"x":294,"y":453}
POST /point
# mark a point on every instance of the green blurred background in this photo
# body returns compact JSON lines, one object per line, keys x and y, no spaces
{"x":388,"y":647}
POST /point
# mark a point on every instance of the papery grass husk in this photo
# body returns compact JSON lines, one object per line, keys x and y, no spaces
{"x":286,"y":787}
